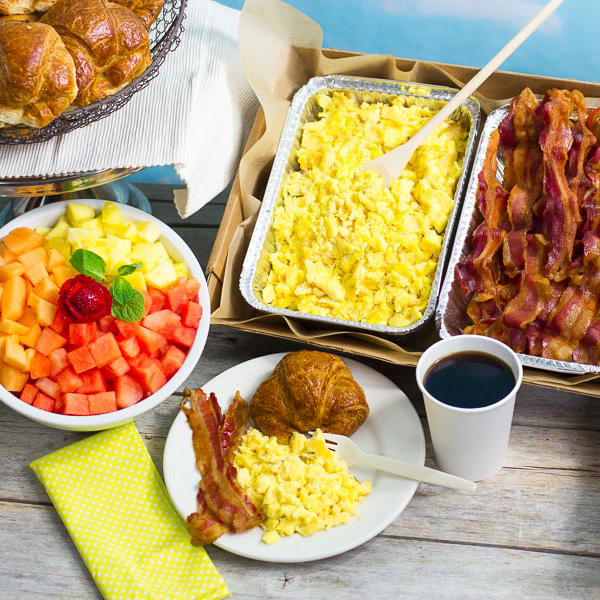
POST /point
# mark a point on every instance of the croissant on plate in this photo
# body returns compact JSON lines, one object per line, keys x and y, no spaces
{"x":146,"y":10}
{"x":309,"y":390}
{"x":37,"y":74}
{"x":23,"y":7}
{"x":108,"y":42}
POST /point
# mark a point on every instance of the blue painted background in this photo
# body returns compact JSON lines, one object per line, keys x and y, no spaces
{"x":467,"y":32}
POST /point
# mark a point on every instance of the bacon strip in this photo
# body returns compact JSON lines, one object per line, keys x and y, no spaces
{"x":233,"y":424}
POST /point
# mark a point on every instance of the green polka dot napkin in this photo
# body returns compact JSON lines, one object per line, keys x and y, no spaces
{"x":112,"y":500}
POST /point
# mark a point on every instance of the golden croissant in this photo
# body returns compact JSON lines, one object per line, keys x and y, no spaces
{"x":309,"y":390}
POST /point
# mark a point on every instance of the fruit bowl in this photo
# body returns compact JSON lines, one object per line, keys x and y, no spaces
{"x":47,"y":216}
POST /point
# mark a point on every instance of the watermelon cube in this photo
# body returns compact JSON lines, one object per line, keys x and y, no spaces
{"x":147,"y":302}
{"x":81,"y":334}
{"x":68,"y":380}
{"x":151,"y":340}
{"x":61,"y":322}
{"x":151,"y":374}
{"x":107,"y":323}
{"x":126,"y":329}
{"x":75,"y":404}
{"x":29,"y":393}
{"x":130,"y":347}
{"x":49,"y":340}
{"x":192,"y":287}
{"x":81,"y":359}
{"x":48,"y":387}
{"x":39,"y":366}
{"x":105,"y":349}
{"x":172,"y":360}
{"x":164,"y":322}
{"x":184,"y":336}
{"x":58,"y":361}
{"x":93,"y":382}
{"x":158,"y":299}
{"x":116,"y":368}
{"x":191,"y":315}
{"x":129,"y":391}
{"x":102,"y":403}
{"x":176,"y":297}
{"x":44,"y":402}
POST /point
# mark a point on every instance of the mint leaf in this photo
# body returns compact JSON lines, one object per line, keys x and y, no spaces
{"x":88,"y":263}
{"x":132,"y":311}
{"x":121,"y":290}
{"x":129,"y":269}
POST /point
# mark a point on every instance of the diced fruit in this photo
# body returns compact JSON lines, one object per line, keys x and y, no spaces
{"x":61,"y":322}
{"x":44,"y":311}
{"x":33,"y":257}
{"x":29,"y":393}
{"x":6,"y":254}
{"x":150,"y":340}
{"x":116,"y":368}
{"x":129,"y":391}
{"x":13,"y":298}
{"x":151,"y":374}
{"x":172,"y":360}
{"x":184,"y":336}
{"x":58,"y":361}
{"x":158,"y":299}
{"x":147,"y":302}
{"x":129,"y":347}
{"x":75,"y":404}
{"x":10,"y":270}
{"x":59,"y":231}
{"x":111,"y":214}
{"x":182,"y":269}
{"x":107,"y":323}
{"x":29,"y":353}
{"x":22,"y":239}
{"x":136,"y":280}
{"x":105,"y":349}
{"x":55,"y":259}
{"x":62,"y":273}
{"x":102,"y":403}
{"x":93,"y":224}
{"x":146,"y":254}
{"x":177,"y":297}
{"x":164,"y":322}
{"x":28,"y":318}
{"x":147,"y":232}
{"x":162,"y":276}
{"x":49,"y":340}
{"x":68,"y":380}
{"x":44,"y":402}
{"x":12,"y":327}
{"x":81,"y":334}
{"x":79,"y":212}
{"x":14,"y":355}
{"x":191,"y":315}
{"x":80,"y":236}
{"x":49,"y":387}
{"x":36,"y":273}
{"x":48,"y":290}
{"x":93,"y":382}
{"x":127,"y":329}
{"x":39,"y":366}
{"x":81,"y":359}
{"x":13,"y":379}
{"x":31,"y":337}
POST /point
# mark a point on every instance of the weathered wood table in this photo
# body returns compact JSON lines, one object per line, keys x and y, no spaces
{"x":531,"y":531}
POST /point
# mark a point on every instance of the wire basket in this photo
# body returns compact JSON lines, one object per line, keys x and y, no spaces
{"x":165,"y":35}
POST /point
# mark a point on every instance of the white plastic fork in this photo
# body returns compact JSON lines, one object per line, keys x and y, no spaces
{"x":348,"y":451}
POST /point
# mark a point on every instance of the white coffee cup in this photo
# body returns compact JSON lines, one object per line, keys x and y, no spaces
{"x":470,"y":442}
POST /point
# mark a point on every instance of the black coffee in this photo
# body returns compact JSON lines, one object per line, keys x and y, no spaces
{"x":469,"y":380}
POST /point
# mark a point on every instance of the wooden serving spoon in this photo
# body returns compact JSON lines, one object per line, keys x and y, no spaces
{"x":391,"y":164}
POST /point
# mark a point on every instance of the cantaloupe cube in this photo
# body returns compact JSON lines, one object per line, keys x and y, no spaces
{"x":10,"y":270}
{"x":33,"y":257}
{"x":31,"y":337}
{"x":5,"y":337}
{"x":36,"y":273}
{"x":44,"y":311}
{"x":137,"y":280}
{"x":78,"y":212}
{"x":48,"y":290}
{"x":6,"y":254}
{"x":29,"y":353}
{"x":14,"y":355}
{"x":12,"y":327}
{"x":39,"y":366}
{"x":23,"y":239}
{"x":28,"y":319}
{"x":13,"y":379}
{"x":62,"y":273}
{"x":55,"y":258}
{"x":13,"y":298}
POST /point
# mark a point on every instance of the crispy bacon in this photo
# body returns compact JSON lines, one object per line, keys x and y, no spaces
{"x":526,"y":306}
{"x":483,"y":312}
{"x":573,"y":313}
{"x":233,"y":424}
{"x":221,"y":499}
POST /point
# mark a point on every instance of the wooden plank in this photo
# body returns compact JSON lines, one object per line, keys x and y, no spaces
{"x":208,"y":216}
{"x":161,"y":192}
{"x":385,"y":567}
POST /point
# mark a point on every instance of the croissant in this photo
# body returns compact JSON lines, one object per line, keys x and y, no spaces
{"x":37,"y":74}
{"x":146,"y":10}
{"x":23,"y":7}
{"x":108,"y":42}
{"x":309,"y":390}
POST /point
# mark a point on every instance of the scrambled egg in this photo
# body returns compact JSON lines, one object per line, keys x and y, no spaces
{"x":299,"y":487}
{"x":345,"y":246}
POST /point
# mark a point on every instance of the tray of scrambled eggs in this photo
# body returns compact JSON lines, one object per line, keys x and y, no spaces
{"x":331,"y":244}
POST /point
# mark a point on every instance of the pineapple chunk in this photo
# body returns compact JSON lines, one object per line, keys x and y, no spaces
{"x":80,"y":236}
{"x":162,"y":252}
{"x":126,"y":231}
{"x":76,"y":213}
{"x":161,"y":277}
{"x":113,"y":263}
{"x":61,"y":246}
{"x":111,"y":214}
{"x":118,"y":245}
{"x":146,"y":254}
{"x":182,"y":269}
{"x":43,"y":230}
{"x":93,"y":224}
{"x":147,"y":232}
{"x":59,"y":231}
{"x":136,"y":280}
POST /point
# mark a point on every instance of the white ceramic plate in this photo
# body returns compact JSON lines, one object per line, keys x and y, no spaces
{"x":393,"y":428}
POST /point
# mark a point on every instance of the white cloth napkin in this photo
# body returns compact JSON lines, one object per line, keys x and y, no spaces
{"x":195,"y":115}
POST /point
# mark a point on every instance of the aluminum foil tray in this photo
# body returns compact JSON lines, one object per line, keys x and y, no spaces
{"x":304,"y":109}
{"x":451,"y":314}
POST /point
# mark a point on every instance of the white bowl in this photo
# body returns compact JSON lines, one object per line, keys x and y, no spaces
{"x":46,"y":216}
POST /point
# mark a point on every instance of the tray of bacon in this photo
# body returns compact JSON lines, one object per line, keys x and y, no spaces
{"x":525,"y":268}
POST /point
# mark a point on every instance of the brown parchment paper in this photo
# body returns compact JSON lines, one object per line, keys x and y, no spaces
{"x":281,"y":49}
